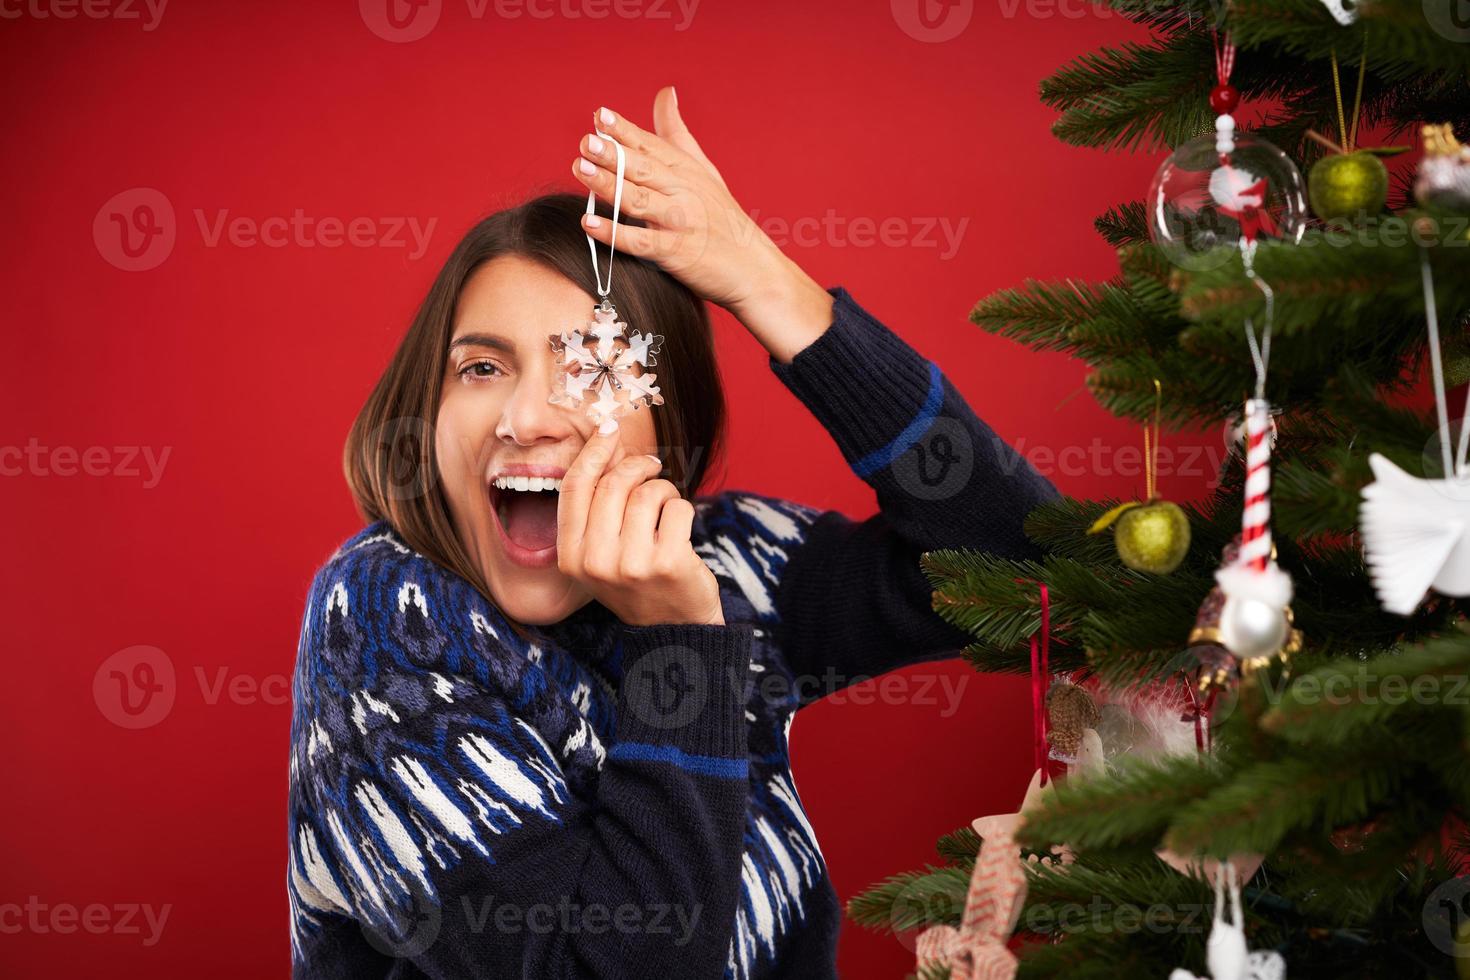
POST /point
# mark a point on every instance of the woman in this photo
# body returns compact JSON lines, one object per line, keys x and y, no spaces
{"x":542,"y":700}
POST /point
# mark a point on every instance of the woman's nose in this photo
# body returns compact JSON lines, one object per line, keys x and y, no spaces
{"x":529,"y":416}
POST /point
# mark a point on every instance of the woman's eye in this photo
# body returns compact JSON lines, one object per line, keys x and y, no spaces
{"x":480,"y":369}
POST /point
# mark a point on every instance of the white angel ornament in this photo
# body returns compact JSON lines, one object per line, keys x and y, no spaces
{"x":1414,"y":535}
{"x":1341,"y":11}
{"x":1225,"y":951}
{"x":1414,"y":529}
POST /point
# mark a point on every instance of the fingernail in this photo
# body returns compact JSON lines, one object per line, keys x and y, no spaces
{"x":594,"y":143}
{"x":608,"y":426}
{"x":675,"y":93}
{"x":593,"y":221}
{"x":606,"y":115}
{"x":587,"y":167}
{"x":654,"y":458}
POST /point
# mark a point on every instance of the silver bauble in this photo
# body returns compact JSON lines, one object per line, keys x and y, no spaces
{"x":1252,"y":628}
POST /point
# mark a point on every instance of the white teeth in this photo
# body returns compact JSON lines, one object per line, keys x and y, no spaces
{"x":527,"y":483}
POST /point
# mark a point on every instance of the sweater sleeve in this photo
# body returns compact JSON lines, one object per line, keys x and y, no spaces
{"x":432,"y":822}
{"x":852,"y":600}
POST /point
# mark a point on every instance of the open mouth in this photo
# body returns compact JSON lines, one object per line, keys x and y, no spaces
{"x":525,"y":515}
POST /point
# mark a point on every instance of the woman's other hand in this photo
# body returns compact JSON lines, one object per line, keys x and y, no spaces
{"x":625,"y":536}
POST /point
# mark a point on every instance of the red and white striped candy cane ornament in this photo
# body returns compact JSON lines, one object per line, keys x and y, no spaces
{"x":1255,"y":519}
{"x":1254,"y":621}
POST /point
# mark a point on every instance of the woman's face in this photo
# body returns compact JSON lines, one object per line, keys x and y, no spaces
{"x":495,"y":421}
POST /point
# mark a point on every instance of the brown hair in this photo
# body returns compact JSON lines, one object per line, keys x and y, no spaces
{"x":389,"y":457}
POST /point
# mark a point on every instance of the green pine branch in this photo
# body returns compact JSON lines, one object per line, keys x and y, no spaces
{"x":913,"y":900}
{"x":1123,"y":224}
{"x":1133,"y":805}
{"x":1338,"y":702}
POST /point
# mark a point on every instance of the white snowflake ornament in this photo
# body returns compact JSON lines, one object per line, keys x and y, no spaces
{"x":602,"y":359}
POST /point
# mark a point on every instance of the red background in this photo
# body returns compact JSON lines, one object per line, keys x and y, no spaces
{"x":246,"y":363}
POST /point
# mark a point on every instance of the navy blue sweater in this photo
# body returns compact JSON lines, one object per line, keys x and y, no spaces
{"x":609,"y":800}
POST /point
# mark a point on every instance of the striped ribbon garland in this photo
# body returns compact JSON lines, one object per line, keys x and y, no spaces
{"x":978,"y":950}
{"x":1255,"y":520}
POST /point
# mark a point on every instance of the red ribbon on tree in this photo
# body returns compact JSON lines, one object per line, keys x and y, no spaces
{"x":1040,"y":681}
{"x":1224,"y":56}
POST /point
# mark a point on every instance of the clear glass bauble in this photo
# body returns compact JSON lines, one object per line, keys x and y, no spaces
{"x":1201,"y":207}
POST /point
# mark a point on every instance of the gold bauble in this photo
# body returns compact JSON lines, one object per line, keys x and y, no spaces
{"x":1345,"y":185}
{"x":1153,"y":537}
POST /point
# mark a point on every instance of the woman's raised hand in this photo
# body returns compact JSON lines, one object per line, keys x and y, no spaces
{"x":696,"y":231}
{"x":625,"y":537}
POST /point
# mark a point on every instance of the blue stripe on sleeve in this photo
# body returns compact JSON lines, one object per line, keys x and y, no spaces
{"x":704,"y":765}
{"x":881,"y":457}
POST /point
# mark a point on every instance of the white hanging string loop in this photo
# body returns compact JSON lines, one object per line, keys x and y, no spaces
{"x":1436,"y":365}
{"x":1234,"y":885}
{"x":1260,"y":351}
{"x":602,"y":290}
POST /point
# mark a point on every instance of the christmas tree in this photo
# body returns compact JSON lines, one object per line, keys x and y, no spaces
{"x":1338,"y":756}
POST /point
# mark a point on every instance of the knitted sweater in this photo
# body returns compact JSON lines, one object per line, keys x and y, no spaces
{"x":609,"y":800}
